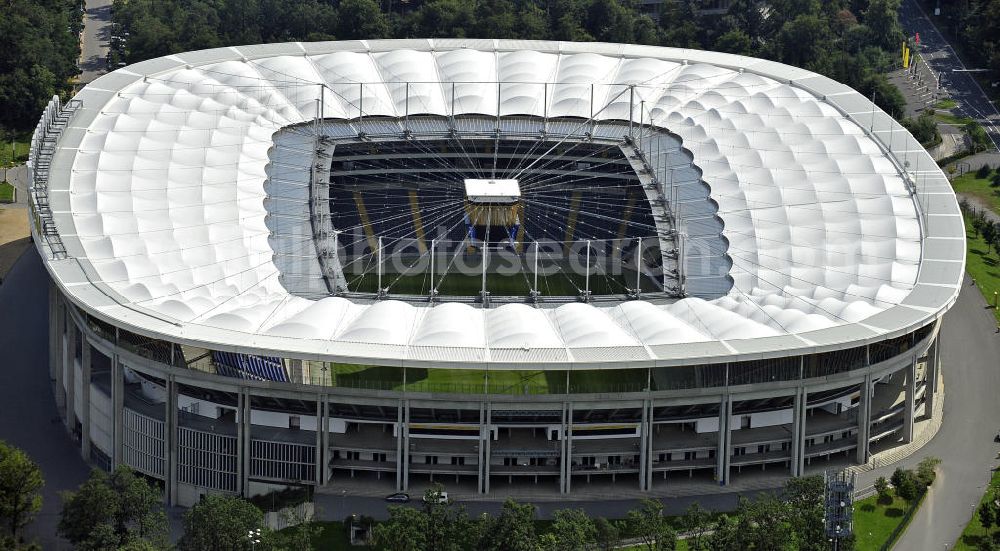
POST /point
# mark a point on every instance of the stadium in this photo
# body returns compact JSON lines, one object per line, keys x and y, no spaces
{"x":511,"y":267}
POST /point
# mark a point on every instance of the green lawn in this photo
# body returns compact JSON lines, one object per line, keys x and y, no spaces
{"x":948,"y":118}
{"x":874,"y":522}
{"x":983,"y":266}
{"x":979,"y":188}
{"x":20,"y":151}
{"x":332,"y":536}
{"x":6,"y":192}
{"x":974,"y":531}
{"x":947,"y":103}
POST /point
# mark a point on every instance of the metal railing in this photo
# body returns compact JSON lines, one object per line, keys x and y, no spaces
{"x":55,"y":119}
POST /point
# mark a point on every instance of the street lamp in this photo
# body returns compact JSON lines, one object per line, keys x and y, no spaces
{"x":254,"y":537}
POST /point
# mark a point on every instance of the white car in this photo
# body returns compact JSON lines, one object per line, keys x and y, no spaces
{"x":440,"y":497}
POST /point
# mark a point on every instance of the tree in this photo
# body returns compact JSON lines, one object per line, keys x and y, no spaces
{"x":804,"y":509}
{"x":112,"y":511}
{"x":803,"y":40}
{"x":20,"y":483}
{"x":220,"y":522}
{"x":531,"y":23}
{"x":735,"y":41}
{"x":696,"y":522}
{"x":882,"y":489}
{"x":406,"y":530}
{"x":978,"y":137}
{"x":989,"y":231}
{"x":680,"y":24}
{"x":983,"y":171}
{"x":573,"y":530}
{"x":608,"y":533}
{"x":978,"y":221}
{"x":987,"y":515}
{"x":926,"y":469}
{"x":905,"y":484}
{"x":361,"y":19}
{"x":883,"y":20}
{"x":512,"y":530}
{"x":652,"y":528}
{"x":886,"y":96}
{"x":924,"y":129}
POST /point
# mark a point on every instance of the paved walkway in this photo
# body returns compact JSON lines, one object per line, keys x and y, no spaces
{"x":95,"y":40}
{"x":970,"y":352}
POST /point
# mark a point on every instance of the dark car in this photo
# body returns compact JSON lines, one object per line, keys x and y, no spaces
{"x":398,"y":498}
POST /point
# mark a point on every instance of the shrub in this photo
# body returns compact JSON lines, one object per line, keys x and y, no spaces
{"x":924,"y":129}
{"x":882,"y":488}
{"x":906,"y":484}
{"x":983,"y":171}
{"x":926,"y":470}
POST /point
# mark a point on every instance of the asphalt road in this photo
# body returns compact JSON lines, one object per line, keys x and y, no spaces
{"x":28,"y":417}
{"x":943,"y":60}
{"x":970,"y":355}
{"x":96,"y":36}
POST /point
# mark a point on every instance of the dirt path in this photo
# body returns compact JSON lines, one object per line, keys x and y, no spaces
{"x":13,"y":237}
{"x":979,"y":204}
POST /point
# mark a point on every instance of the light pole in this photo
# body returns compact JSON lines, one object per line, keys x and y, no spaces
{"x":254,"y":537}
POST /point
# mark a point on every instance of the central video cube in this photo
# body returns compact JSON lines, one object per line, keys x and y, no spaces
{"x":493,"y":210}
{"x":492,"y":192}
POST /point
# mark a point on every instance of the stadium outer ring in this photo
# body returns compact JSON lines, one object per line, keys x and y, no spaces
{"x":915,"y":328}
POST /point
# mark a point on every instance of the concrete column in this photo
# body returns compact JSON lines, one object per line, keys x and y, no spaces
{"x":566,"y":448}
{"x":399,"y":447}
{"x":318,"y":478}
{"x":243,"y":442}
{"x":324,"y":449}
{"x":62,"y":357}
{"x":70,"y":382}
{"x":864,"y":418}
{"x":910,"y":393}
{"x":799,"y":432}
{"x":645,"y":457}
{"x":170,"y":442}
{"x":55,"y":330}
{"x":85,"y":361}
{"x":406,"y":444}
{"x":724,"y":448}
{"x":485,"y":444}
{"x":930,"y":378}
{"x":649,"y":448}
{"x":563,"y":458}
{"x":117,"y":409}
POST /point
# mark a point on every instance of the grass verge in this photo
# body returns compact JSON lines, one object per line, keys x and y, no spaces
{"x":974,"y":532}
{"x":979,"y":188}
{"x":331,"y":536}
{"x":983,"y":264}
{"x":20,"y":152}
{"x":874,"y":521}
{"x":7,"y":191}
{"x":946,"y":103}
{"x":948,"y":118}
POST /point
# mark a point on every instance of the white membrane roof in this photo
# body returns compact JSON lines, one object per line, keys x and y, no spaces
{"x":158,"y":190}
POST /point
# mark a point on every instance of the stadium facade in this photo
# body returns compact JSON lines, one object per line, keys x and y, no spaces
{"x":486,"y":263}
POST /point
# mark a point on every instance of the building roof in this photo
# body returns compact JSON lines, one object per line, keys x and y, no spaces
{"x":158,"y":192}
